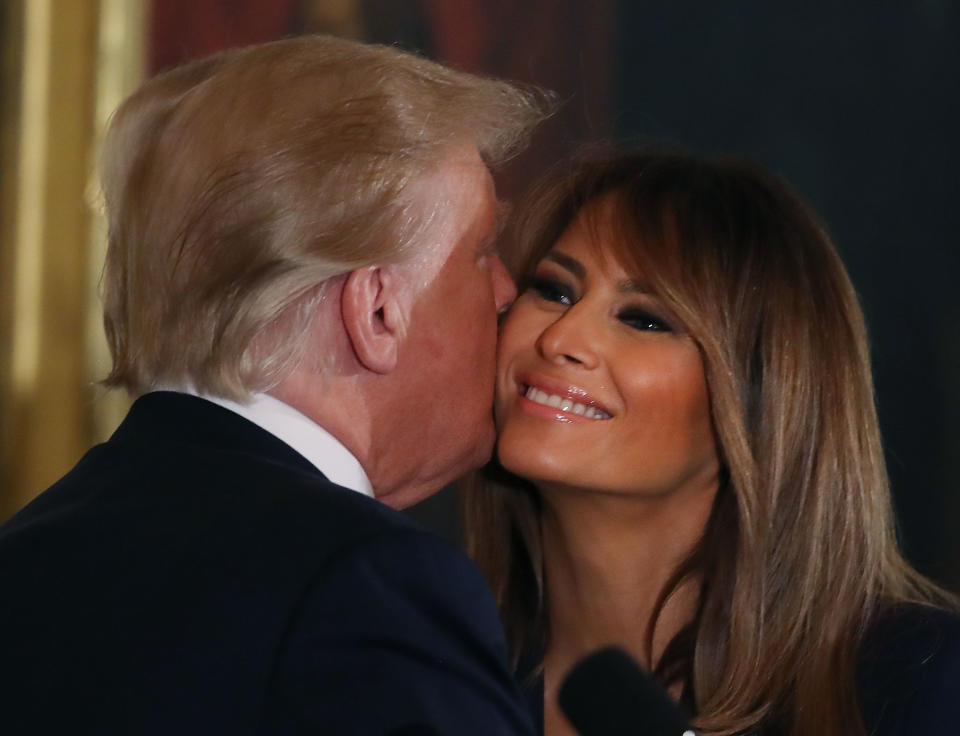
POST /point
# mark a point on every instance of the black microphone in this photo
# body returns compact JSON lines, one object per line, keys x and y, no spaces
{"x":607,"y":694}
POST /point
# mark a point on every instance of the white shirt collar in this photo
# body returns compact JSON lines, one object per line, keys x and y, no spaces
{"x":322,"y":449}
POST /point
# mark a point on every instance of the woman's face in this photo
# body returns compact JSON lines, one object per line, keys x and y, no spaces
{"x":597,"y":387}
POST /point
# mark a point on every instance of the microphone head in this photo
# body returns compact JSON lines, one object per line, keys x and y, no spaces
{"x":607,"y":694}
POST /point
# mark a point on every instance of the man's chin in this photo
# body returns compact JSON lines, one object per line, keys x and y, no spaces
{"x":470,"y":457}
{"x":484,"y":447}
{"x":475,"y":455}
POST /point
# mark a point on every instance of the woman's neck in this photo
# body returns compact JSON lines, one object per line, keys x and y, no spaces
{"x":607,"y":559}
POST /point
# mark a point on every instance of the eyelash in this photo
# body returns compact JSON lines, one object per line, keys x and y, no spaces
{"x":640,"y":319}
{"x":552,"y":290}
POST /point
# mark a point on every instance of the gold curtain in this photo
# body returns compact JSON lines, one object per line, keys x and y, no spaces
{"x":66,"y":64}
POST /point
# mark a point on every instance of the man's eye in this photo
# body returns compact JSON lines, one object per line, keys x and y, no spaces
{"x":551,"y":291}
{"x":641,"y":319}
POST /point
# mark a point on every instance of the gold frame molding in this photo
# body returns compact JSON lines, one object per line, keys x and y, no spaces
{"x":66,"y":65}
{"x":121,"y":54}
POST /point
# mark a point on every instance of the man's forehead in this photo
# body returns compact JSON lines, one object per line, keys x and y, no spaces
{"x":463,"y":154}
{"x":459,"y":171}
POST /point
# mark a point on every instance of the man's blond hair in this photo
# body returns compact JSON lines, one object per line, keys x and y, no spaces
{"x":236,"y":186}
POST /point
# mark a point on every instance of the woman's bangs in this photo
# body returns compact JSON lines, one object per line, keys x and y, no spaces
{"x":641,"y":238}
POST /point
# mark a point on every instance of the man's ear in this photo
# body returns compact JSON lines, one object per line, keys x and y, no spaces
{"x":373,"y":317}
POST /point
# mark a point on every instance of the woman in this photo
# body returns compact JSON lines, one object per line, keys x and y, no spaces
{"x":690,"y":465}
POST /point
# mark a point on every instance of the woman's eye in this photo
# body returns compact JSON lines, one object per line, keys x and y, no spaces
{"x":551,"y":290}
{"x":640,"y":319}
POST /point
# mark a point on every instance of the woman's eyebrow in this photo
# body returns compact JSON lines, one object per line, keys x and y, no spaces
{"x":633,"y":286}
{"x":627,"y":286}
{"x":571,"y":264}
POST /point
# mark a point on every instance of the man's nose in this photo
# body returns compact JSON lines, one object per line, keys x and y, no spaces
{"x":504,"y":290}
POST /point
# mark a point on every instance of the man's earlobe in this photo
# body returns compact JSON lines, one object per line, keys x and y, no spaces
{"x":373,"y":317}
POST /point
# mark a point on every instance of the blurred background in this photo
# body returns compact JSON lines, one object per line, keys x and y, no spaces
{"x":857,"y":104}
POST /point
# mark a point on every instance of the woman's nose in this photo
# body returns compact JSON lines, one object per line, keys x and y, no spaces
{"x":570,"y":339}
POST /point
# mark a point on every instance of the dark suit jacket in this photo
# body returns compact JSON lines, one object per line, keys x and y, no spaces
{"x":195,"y":575}
{"x":908,"y":675}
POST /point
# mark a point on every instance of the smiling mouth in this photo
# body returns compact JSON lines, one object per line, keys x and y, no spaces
{"x":564,"y":403}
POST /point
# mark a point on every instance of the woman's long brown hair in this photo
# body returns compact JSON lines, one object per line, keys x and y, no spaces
{"x":799,"y":555}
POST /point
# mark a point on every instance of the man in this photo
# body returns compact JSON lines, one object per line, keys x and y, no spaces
{"x":302,"y":288}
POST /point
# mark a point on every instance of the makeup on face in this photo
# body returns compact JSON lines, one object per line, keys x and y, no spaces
{"x":597,"y":385}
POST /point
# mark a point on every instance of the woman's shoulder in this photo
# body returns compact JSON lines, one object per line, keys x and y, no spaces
{"x":908,"y":671}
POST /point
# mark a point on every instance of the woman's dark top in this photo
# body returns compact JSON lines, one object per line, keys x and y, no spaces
{"x":908,"y":674}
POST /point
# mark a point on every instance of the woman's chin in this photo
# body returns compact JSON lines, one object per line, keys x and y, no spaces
{"x":530,"y":461}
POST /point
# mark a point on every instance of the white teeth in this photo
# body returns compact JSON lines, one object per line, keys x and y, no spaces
{"x":564,"y":404}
